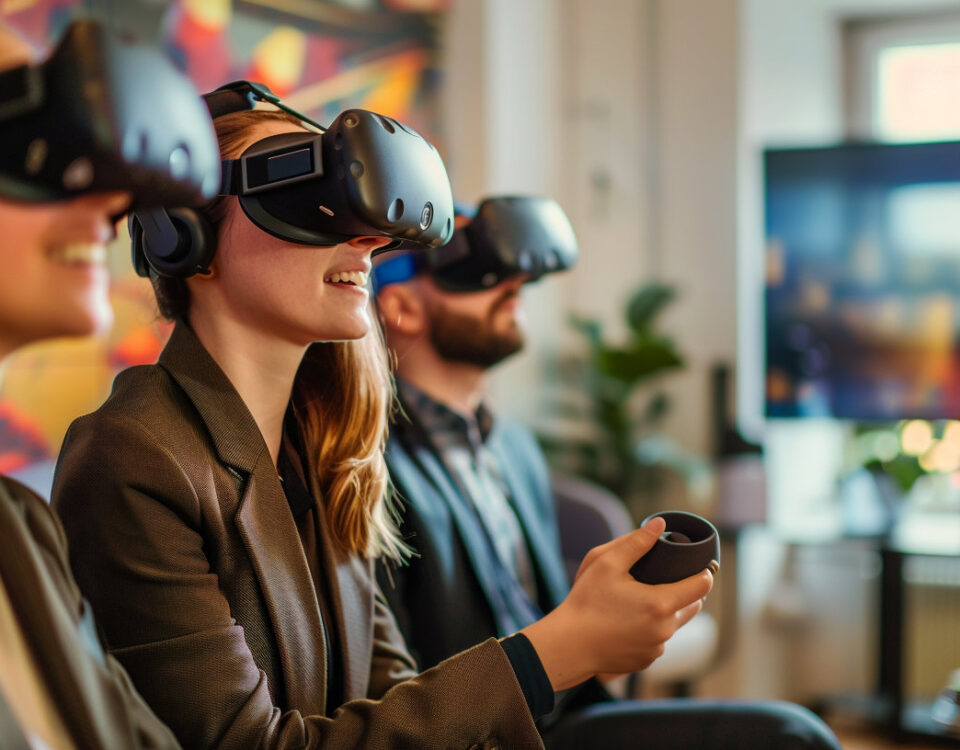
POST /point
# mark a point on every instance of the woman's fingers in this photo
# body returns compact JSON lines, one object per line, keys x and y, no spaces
{"x":687,"y":591}
{"x":626,"y":549}
{"x":688,"y":613}
{"x":623,"y":552}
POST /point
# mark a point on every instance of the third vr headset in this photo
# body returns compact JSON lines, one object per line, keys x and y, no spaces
{"x":365,"y":175}
{"x":508,"y":237}
{"x":102,"y":113}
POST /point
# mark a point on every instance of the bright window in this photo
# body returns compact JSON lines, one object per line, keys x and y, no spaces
{"x":917,"y":94}
{"x":904,"y":77}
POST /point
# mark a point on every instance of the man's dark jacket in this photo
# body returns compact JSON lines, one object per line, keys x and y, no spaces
{"x":445,"y":600}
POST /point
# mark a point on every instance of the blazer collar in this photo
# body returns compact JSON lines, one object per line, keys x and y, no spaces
{"x":232,"y":428}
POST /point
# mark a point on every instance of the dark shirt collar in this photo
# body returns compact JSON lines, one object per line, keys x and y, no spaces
{"x":443,"y":424}
{"x":290,"y":467}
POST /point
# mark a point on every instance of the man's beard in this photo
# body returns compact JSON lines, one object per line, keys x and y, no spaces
{"x":462,"y":338}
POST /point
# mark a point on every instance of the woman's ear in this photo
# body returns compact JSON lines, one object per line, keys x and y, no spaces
{"x":401,"y":310}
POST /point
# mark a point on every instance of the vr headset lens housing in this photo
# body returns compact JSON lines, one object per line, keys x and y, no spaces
{"x":103,"y":114}
{"x":366,"y":175}
{"x":508,"y":237}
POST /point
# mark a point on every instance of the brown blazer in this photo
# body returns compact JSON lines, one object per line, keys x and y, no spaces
{"x":99,"y":705}
{"x":183,"y":538}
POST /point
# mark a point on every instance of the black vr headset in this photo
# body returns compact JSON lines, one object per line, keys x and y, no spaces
{"x":102,"y":113}
{"x":365,"y":175}
{"x":509,"y":236}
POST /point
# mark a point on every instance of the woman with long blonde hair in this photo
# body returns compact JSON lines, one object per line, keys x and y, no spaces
{"x":226,"y":505}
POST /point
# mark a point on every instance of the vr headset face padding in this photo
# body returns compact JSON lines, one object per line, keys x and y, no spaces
{"x":509,"y":236}
{"x":367,"y":175}
{"x":105,"y":114}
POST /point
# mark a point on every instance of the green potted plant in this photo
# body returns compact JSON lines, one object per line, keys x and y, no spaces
{"x":607,"y":408}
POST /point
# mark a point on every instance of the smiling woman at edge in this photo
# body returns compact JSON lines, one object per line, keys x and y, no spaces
{"x":224,"y":508}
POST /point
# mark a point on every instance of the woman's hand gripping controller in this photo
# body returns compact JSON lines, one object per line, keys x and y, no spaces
{"x":610,"y":622}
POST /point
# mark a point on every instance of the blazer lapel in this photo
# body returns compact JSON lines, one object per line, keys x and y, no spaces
{"x":351,"y":601}
{"x":544,"y":546}
{"x":263,"y":519}
{"x":232,"y":428}
{"x":271,"y":540}
{"x":427,"y":464}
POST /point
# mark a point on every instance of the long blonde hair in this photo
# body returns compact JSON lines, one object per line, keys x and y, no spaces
{"x":341,"y":396}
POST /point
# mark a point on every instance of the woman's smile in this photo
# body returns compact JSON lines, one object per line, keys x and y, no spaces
{"x":349,"y":281}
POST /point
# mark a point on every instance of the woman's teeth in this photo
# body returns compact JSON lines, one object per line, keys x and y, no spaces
{"x":80,"y":254}
{"x":357,"y":278}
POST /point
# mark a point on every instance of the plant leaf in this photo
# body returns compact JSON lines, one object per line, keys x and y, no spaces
{"x":646,"y":304}
{"x":656,"y":410}
{"x":590,"y":328}
{"x":643,"y":359}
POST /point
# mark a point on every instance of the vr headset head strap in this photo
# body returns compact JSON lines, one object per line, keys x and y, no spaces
{"x":240,"y":96}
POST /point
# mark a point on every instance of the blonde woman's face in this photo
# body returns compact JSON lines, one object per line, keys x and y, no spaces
{"x":54,"y":279}
{"x":299,"y":293}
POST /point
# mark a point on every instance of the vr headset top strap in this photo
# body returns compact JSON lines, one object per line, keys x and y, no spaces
{"x":240,"y":96}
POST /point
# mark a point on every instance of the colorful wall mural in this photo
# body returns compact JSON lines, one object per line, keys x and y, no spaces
{"x":322,"y":56}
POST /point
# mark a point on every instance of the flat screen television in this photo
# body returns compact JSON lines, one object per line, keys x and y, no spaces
{"x":862,"y":281}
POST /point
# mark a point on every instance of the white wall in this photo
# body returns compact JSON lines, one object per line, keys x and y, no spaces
{"x":625,"y":112}
{"x":548,"y":97}
{"x":503,"y":131}
{"x":697,"y":116}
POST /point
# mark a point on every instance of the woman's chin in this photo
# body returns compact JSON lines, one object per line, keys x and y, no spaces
{"x":347,"y":330}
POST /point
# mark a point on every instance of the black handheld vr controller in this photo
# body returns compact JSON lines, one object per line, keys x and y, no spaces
{"x":103,"y":113}
{"x":688,"y":545}
{"x":508,"y":236}
{"x":365,"y":175}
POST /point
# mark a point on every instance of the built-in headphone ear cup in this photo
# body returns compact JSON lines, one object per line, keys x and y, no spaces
{"x":137,"y":253}
{"x":175,"y":242}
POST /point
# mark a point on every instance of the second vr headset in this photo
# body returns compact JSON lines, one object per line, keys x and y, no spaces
{"x":508,"y":237}
{"x":103,"y":114}
{"x":365,"y":175}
